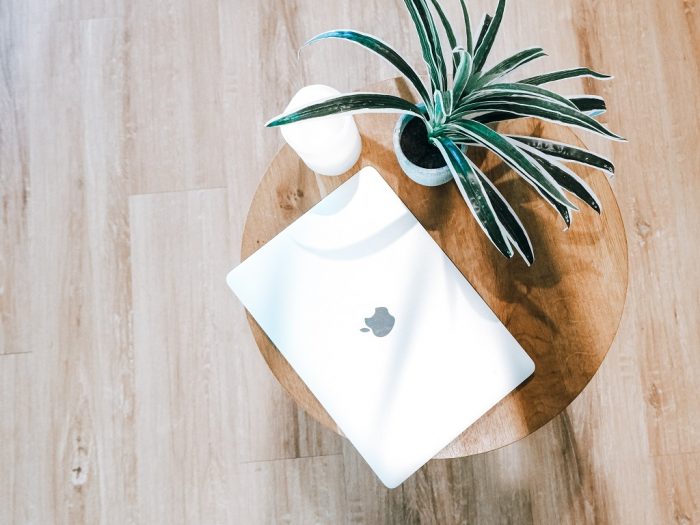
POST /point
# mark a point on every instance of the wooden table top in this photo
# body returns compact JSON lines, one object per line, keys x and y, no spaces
{"x":564,"y":310}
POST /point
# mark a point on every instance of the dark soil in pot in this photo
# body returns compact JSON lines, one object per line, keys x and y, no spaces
{"x":415,"y":145}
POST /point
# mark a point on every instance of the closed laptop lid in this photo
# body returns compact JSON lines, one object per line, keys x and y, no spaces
{"x":386,"y":332}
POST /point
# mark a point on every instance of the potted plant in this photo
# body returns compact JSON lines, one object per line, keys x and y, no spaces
{"x":457,"y":111}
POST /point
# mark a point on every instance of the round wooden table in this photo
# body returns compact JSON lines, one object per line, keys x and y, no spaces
{"x":564,"y":310}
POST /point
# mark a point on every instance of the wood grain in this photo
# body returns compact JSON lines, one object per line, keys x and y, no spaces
{"x":104,"y":101}
{"x":564,"y":310}
{"x":14,"y":187}
{"x":303,"y":490}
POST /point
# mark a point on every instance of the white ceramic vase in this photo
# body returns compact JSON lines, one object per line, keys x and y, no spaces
{"x":328,"y":145}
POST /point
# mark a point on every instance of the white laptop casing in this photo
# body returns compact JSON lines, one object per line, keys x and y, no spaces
{"x":402,"y":396}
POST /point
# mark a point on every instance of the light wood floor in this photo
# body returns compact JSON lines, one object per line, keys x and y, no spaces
{"x":131,"y":142}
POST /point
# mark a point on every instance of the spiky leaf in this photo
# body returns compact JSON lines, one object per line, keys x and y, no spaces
{"x":491,"y":117}
{"x":430,"y":43}
{"x":426,"y":48}
{"x":511,"y":155}
{"x":507,"y":217}
{"x":564,"y":74}
{"x":566,"y":178}
{"x":474,"y":194}
{"x":434,"y":36}
{"x":509,"y":64}
{"x":589,"y":104}
{"x":506,"y":90}
{"x":380,"y":48}
{"x":462,"y":75}
{"x":447,"y":100}
{"x":351,"y":103}
{"x":567,"y":152}
{"x":445,"y":24}
{"x":485,"y":23}
{"x":563,"y":211}
{"x":467,"y":26}
{"x":483,"y":50}
{"x":440,"y":111}
{"x":536,"y":107}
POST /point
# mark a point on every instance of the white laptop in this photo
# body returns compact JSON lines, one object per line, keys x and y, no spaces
{"x":386,"y":332}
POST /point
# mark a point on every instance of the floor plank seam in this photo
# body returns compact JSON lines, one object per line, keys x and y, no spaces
{"x":167,"y":192}
{"x":16,"y":353}
{"x":288,"y":459}
{"x":674,"y":454}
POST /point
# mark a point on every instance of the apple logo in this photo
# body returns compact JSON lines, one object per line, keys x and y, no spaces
{"x":381,"y":323}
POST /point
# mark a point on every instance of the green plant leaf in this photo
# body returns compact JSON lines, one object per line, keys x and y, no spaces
{"x":563,"y":211}
{"x":434,"y":71}
{"x":543,"y":109}
{"x":530,"y":170}
{"x":380,"y":48}
{"x":485,"y":23}
{"x":462,"y":75}
{"x":565,"y":177}
{"x":484,"y":48}
{"x":507,"y":217}
{"x":503,"y":91}
{"x":589,"y":104}
{"x":447,"y":100}
{"x":496,"y":116}
{"x":434,"y":37}
{"x":467,"y":26}
{"x":474,"y":194}
{"x":564,"y":74}
{"x":440,"y":111}
{"x":446,"y":24}
{"x":567,"y":152}
{"x":350,"y":103}
{"x":510,"y":64}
